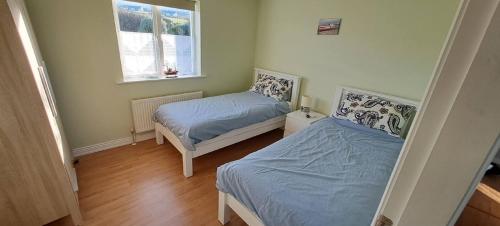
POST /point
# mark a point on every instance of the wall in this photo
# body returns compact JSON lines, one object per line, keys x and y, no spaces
{"x":79,"y":44}
{"x":390,"y":46}
{"x":496,"y":160}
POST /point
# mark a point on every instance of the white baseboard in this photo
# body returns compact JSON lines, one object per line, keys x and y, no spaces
{"x":77,"y":152}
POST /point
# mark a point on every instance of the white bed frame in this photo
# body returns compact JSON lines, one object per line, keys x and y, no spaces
{"x":227,"y":201}
{"x":232,"y":137}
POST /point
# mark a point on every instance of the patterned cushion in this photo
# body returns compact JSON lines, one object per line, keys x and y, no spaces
{"x":270,"y":86}
{"x":375,"y":112}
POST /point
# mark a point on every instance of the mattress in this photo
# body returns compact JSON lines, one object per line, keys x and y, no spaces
{"x":198,"y":120}
{"x":332,"y":173}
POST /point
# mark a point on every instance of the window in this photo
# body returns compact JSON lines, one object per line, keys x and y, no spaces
{"x":156,"y":39}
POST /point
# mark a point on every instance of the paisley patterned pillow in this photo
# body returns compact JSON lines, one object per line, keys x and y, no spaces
{"x":375,"y":112}
{"x":271,"y":86}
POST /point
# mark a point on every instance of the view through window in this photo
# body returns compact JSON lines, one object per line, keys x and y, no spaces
{"x":155,"y":40}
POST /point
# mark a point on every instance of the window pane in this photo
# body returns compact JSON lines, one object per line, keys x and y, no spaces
{"x":136,"y":36}
{"x":177,"y":40}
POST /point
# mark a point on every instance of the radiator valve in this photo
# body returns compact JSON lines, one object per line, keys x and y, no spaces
{"x":132,"y":132}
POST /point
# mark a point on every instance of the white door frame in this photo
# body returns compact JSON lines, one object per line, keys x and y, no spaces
{"x":404,"y":151}
{"x":469,"y":29}
{"x":477,"y":179}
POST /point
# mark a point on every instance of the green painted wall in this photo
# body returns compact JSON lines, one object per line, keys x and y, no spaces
{"x":79,"y":44}
{"x":387,"y":45}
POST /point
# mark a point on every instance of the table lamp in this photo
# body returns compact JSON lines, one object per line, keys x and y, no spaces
{"x":306,"y":104}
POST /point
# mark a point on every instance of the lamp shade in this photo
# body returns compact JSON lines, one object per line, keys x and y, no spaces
{"x":306,"y":102}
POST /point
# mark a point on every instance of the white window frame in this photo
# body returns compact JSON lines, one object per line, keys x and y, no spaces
{"x":195,"y":50}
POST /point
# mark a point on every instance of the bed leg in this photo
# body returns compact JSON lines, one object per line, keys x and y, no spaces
{"x":159,"y":137}
{"x":187,"y":163}
{"x":223,"y":209}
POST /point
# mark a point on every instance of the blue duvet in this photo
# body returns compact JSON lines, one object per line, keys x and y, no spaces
{"x":197,"y":120}
{"x":332,"y":173}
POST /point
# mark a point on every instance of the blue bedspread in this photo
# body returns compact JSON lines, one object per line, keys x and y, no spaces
{"x":197,"y":120}
{"x":332,"y":173}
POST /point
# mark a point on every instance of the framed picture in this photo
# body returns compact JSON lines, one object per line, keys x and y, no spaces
{"x":329,"y":26}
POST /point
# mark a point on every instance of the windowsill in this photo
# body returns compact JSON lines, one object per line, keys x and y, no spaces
{"x":122,"y":81}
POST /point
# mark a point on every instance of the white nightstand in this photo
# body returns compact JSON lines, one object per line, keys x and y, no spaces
{"x":296,"y":121}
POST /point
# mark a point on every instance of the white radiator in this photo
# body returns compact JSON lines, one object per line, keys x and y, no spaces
{"x":143,"y":109}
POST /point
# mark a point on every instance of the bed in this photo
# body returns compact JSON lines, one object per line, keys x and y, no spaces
{"x":332,"y":173}
{"x":200,"y":126}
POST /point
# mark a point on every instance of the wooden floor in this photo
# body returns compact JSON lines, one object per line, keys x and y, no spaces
{"x":144,"y":185}
{"x":483,"y":208}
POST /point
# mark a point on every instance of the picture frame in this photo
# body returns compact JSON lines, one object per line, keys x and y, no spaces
{"x":329,"y":26}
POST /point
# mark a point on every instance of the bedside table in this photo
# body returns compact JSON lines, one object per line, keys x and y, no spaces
{"x":296,"y":121}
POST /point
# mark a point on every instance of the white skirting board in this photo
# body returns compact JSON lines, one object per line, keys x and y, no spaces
{"x":77,"y":152}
